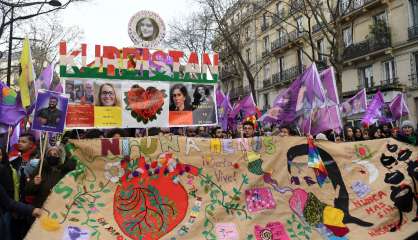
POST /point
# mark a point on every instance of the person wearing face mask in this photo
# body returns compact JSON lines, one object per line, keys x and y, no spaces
{"x":53,"y":170}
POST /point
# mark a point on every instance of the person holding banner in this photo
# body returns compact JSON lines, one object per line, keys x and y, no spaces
{"x":53,"y":170}
{"x":107,"y":96}
{"x":180,"y":99}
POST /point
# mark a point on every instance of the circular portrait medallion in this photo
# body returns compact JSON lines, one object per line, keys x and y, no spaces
{"x":146,"y":29}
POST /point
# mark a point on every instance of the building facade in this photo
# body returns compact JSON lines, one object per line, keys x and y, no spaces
{"x":279,"y":39}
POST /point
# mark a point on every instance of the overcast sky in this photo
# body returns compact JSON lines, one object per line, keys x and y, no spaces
{"x":105,"y":22}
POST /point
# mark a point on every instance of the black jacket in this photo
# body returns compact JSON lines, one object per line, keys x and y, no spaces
{"x":50,"y":177}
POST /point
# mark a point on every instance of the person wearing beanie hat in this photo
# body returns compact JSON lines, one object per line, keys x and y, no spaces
{"x":406,"y":133}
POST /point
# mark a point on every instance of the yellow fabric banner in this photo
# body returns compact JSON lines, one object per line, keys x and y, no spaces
{"x":27,"y":77}
{"x":261,"y":188}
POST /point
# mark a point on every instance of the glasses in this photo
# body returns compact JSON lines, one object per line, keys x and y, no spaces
{"x":107,"y":93}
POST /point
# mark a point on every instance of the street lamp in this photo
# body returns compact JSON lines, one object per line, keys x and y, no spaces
{"x":54,"y":3}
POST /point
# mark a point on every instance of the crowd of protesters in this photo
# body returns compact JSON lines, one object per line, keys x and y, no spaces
{"x":406,"y":132}
{"x":23,"y":190}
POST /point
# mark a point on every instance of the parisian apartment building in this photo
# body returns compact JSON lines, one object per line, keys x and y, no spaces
{"x":278,"y":40}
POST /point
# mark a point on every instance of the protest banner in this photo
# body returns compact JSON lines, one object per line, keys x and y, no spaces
{"x":172,"y":187}
{"x":50,"y":112}
{"x":139,"y":88}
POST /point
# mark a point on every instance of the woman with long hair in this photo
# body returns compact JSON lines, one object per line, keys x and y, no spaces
{"x":179,"y":98}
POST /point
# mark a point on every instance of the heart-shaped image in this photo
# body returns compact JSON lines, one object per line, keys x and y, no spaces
{"x":144,"y":105}
{"x":150,"y":201}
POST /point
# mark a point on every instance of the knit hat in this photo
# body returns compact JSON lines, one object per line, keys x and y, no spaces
{"x":321,"y":136}
{"x":407,"y":123}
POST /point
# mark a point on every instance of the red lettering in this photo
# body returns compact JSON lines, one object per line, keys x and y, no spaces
{"x":111,"y":145}
{"x":176,"y":55}
{"x":369,"y":210}
{"x":193,"y":59}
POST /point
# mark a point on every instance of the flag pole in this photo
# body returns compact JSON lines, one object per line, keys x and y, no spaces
{"x":9,"y":131}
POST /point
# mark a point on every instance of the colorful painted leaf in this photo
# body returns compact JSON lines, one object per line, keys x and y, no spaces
{"x":75,"y":212}
{"x":101,"y":204}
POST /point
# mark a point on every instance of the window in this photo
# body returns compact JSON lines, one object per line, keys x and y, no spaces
{"x":266,"y":101}
{"x":347,"y":36}
{"x":380,"y":17}
{"x":345,"y":4}
{"x":267,"y":71}
{"x":300,"y":59}
{"x":277,"y":8}
{"x":281,"y":34}
{"x":280,"y":62}
{"x":247,"y":33}
{"x":266,"y":43}
{"x":265,"y":19}
{"x":414,"y":12}
{"x":321,"y":48}
{"x":366,"y":77}
{"x":389,"y":71}
{"x":248,"y":56}
{"x":299,"y":25}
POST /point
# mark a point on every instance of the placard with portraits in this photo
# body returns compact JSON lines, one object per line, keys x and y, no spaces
{"x":138,"y":104}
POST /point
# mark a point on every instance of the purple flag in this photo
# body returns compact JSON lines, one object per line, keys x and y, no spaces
{"x":45,"y":79}
{"x":11,"y":110}
{"x":14,"y":137}
{"x":311,"y":93}
{"x":354,"y":105}
{"x":398,"y":107}
{"x":219,"y":95}
{"x":330,"y":87}
{"x":320,"y":120}
{"x":247,"y":105}
{"x":374,"y":110}
{"x":57,"y":88}
{"x":223,"y":109}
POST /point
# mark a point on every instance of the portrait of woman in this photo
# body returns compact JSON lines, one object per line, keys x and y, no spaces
{"x":147,"y":29}
{"x":180,"y":99}
{"x":201,"y":96}
{"x":107,"y":96}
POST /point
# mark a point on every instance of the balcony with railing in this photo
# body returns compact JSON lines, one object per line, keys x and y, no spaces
{"x":390,"y":82}
{"x":366,"y":47}
{"x":266,"y":82}
{"x":279,"y":16}
{"x":348,"y":7}
{"x":285,"y":40}
{"x":413,"y":32}
{"x":413,"y":79}
{"x":287,"y":75}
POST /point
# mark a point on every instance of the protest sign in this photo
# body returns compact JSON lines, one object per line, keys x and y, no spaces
{"x":50,"y":112}
{"x":138,"y":104}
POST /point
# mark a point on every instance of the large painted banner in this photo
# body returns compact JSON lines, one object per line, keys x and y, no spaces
{"x":266,"y":188}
